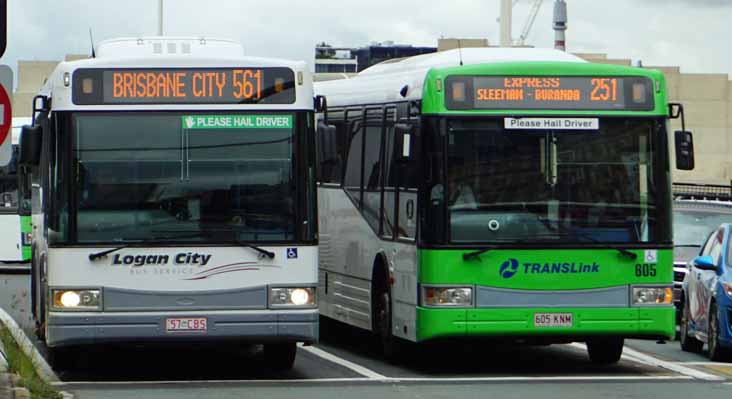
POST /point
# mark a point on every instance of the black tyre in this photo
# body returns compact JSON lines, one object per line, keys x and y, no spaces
{"x":280,"y":357}
{"x":605,"y":350}
{"x":688,"y":343}
{"x":390,"y":345}
{"x":716,"y":351}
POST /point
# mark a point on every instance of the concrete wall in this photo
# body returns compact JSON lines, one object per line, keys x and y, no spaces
{"x":32,"y":75}
{"x":707,"y":100}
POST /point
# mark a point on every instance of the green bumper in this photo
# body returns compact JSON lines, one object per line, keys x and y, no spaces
{"x":631,"y":322}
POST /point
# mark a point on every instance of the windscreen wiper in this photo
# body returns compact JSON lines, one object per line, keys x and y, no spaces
{"x":476,"y":254}
{"x":565,"y":232}
{"x":263,"y":252}
{"x":687,"y":245}
{"x":102,"y":254}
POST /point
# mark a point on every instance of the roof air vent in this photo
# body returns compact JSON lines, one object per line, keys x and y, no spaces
{"x":157,"y":48}
{"x":172,"y":48}
{"x":185,"y":48}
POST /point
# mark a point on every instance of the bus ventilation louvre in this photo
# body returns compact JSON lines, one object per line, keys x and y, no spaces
{"x":713,"y":192}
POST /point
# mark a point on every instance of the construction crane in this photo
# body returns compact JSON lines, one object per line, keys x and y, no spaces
{"x":529,"y":22}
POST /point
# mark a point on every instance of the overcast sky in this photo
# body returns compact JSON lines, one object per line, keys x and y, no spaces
{"x":693,"y":34}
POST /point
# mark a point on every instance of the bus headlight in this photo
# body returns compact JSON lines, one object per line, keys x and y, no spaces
{"x":653,"y":295}
{"x":447,"y":296}
{"x":287,"y":297}
{"x":77,"y":299}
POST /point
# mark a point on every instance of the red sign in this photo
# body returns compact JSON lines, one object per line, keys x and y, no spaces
{"x":6,"y":119}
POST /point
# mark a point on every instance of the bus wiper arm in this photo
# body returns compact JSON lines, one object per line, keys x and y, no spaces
{"x":476,"y":254}
{"x":687,"y":245}
{"x":262,"y":251}
{"x":102,"y":254}
{"x":563,"y":231}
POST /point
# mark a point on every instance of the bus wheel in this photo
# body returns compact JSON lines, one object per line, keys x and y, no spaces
{"x":281,"y":356}
{"x":605,"y":350}
{"x":390,"y":345}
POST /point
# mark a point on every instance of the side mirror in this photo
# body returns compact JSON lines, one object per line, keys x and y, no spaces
{"x":704,"y":263}
{"x":31,"y":138}
{"x":327,"y":151}
{"x":320,"y":104}
{"x":404,"y":135}
{"x":684,"y":150}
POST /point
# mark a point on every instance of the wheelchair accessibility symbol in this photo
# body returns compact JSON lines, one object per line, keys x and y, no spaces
{"x":291,"y":253}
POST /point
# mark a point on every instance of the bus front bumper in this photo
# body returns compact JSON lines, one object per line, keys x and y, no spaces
{"x":248,"y":326}
{"x":636,"y":322}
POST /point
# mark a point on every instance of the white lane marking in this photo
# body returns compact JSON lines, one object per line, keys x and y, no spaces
{"x":343,"y":362}
{"x":385,"y":379}
{"x":705,"y":363}
{"x":639,"y":357}
{"x":42,"y":368}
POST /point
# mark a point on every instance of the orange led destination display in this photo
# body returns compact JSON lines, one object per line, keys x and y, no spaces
{"x":549,"y":93}
{"x":184,"y":86}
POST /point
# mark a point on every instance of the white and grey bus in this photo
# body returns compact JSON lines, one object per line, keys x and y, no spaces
{"x":174,"y":198}
{"x":15,"y":227}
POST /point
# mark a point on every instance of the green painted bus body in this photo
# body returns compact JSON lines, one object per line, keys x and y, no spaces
{"x":446,"y":266}
{"x":25,"y":231}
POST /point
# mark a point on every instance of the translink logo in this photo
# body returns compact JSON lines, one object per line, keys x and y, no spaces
{"x":510,"y":267}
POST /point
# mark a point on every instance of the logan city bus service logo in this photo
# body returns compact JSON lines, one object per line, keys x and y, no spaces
{"x":510,"y":267}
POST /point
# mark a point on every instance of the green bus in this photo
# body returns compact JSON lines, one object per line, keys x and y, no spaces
{"x":512,"y":194}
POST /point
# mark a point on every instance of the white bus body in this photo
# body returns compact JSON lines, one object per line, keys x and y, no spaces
{"x":151,"y":252}
{"x":12,"y":238}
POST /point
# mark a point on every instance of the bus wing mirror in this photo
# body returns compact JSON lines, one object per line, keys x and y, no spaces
{"x":327,"y":143}
{"x":404,"y":146}
{"x":684,"y":150}
{"x":30,"y":145}
{"x":320,"y":104}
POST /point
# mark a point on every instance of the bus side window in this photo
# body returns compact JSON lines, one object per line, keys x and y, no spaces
{"x":354,"y":165}
{"x":372,"y":171}
{"x":406,"y":172}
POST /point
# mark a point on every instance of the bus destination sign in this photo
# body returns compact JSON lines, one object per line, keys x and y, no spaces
{"x":184,"y":86}
{"x":549,"y":93}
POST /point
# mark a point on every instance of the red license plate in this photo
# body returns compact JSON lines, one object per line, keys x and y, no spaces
{"x":186,"y":324}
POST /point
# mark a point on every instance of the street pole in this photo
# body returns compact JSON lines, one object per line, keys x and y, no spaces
{"x":505,"y":23}
{"x":160,"y":17}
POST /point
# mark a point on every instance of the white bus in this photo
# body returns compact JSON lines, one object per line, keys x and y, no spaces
{"x":174,"y":198}
{"x":15,"y":228}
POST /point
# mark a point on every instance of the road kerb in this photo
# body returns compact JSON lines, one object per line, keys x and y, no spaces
{"x":43,"y":369}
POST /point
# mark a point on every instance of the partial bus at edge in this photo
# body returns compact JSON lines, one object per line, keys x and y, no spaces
{"x":499,"y":194}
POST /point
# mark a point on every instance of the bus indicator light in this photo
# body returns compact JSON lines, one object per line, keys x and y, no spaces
{"x":458,"y":91}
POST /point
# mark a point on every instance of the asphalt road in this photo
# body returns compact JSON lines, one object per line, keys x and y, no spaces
{"x":347,"y":364}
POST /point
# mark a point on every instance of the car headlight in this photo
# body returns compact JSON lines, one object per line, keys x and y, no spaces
{"x":447,"y":296}
{"x":653,"y":295}
{"x":76,"y":299}
{"x":287,"y":297}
